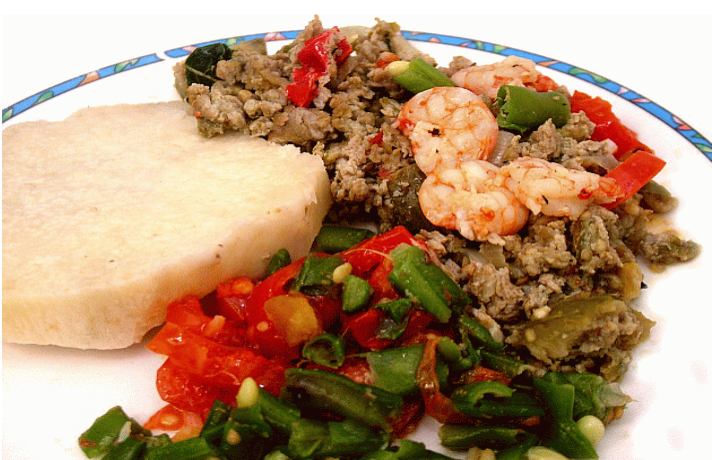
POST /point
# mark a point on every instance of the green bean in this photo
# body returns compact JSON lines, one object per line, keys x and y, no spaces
{"x":561,"y":432}
{"x":315,"y":276}
{"x":190,"y":449}
{"x":219,"y":414}
{"x":278,"y":413}
{"x":332,"y":239}
{"x":417,"y":75}
{"x":522,"y":109}
{"x":479,"y":332}
{"x":102,"y":434}
{"x":462,"y":437}
{"x":504,"y":363}
{"x":355,"y":293}
{"x":279,"y":260}
{"x":323,"y":390}
{"x":318,"y":439}
{"x":326,"y":349}
{"x":395,"y":369}
{"x":129,"y":449}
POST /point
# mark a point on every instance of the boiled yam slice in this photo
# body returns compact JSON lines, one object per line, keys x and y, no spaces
{"x":113,"y":213}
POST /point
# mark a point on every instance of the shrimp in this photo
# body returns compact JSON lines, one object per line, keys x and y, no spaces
{"x":486,"y":79}
{"x":553,"y":189}
{"x":447,"y":125}
{"x":465,"y":198}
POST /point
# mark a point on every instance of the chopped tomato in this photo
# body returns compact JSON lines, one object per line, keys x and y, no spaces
{"x":366,"y":255}
{"x":633,"y":173}
{"x":181,"y":388}
{"x":267,"y":323}
{"x":437,"y":404}
{"x":215,"y":363}
{"x":169,"y":418}
{"x":188,"y":314}
{"x":363,"y":328}
{"x":232,"y":298}
{"x":608,"y":125}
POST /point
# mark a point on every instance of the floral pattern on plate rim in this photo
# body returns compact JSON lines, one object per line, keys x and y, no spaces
{"x":682,"y":128}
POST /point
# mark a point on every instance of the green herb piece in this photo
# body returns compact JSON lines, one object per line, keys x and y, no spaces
{"x":202,"y":63}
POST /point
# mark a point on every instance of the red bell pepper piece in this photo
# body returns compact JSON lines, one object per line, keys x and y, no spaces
{"x":608,"y":125}
{"x":315,"y":59}
{"x":633,"y":173}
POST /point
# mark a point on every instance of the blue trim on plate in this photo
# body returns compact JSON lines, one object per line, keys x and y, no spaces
{"x":682,"y":128}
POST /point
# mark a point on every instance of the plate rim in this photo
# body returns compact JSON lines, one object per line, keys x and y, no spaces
{"x":693,"y":136}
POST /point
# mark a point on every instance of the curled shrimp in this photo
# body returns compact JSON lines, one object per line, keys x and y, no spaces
{"x":447,"y":125}
{"x":486,"y":79}
{"x":553,"y":189}
{"x":465,"y":198}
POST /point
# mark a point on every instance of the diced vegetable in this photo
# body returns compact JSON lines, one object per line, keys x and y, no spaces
{"x":338,"y":394}
{"x":608,"y":125}
{"x":200,"y":65}
{"x":332,"y":239}
{"x":417,"y":75}
{"x":105,"y":431}
{"x":356,"y":293}
{"x":633,"y":173}
{"x":522,"y":109}
{"x":279,"y":260}
{"x":326,"y":349}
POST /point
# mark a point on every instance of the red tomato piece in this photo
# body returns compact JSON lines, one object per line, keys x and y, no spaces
{"x":608,"y":125}
{"x":633,"y":173}
{"x":179,"y":387}
{"x":169,"y":418}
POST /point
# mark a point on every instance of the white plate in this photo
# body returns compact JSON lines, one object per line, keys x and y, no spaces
{"x":51,"y":394}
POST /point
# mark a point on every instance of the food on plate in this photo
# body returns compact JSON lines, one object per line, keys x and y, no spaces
{"x":496,"y":295}
{"x":115,"y":212}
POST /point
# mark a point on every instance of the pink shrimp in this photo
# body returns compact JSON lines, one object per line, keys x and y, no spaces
{"x":486,"y":79}
{"x":465,"y":198}
{"x":553,"y":189}
{"x":447,"y":125}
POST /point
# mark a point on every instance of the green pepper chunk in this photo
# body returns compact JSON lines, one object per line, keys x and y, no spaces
{"x":333,"y":238}
{"x":355,"y":293}
{"x":395,"y":369}
{"x":522,"y":108}
{"x":129,"y":449}
{"x":326,"y":349}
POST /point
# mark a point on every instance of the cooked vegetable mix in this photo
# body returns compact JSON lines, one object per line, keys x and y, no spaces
{"x":500,"y":305}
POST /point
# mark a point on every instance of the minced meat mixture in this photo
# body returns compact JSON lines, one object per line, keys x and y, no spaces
{"x":517,"y":285}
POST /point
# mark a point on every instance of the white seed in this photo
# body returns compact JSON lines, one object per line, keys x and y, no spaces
{"x":341,"y":272}
{"x":233,"y":437}
{"x":248,"y":393}
{"x":544,"y":453}
{"x":592,"y":427}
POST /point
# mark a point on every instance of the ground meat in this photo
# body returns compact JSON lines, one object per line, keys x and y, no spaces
{"x":350,"y":125}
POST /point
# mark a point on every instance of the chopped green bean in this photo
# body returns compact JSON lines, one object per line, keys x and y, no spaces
{"x":522,"y":108}
{"x":279,"y":260}
{"x":129,"y":449}
{"x":462,"y":437}
{"x":326,"y":349}
{"x":106,"y":429}
{"x":315,"y":276}
{"x":190,"y":449}
{"x":318,"y":439}
{"x":323,"y":390}
{"x":332,"y":238}
{"x":355,"y":294}
{"x":417,"y":75}
{"x":395,"y":369}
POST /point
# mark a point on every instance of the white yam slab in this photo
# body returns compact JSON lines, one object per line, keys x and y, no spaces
{"x":113,"y":213}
